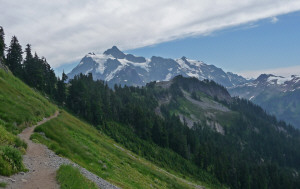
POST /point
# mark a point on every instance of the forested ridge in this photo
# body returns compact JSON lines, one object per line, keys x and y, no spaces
{"x":256,"y":151}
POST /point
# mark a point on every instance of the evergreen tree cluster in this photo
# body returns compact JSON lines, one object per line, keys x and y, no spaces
{"x":33,"y":70}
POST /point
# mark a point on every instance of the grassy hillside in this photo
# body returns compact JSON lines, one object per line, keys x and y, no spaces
{"x":83,"y":144}
{"x":20,"y":106}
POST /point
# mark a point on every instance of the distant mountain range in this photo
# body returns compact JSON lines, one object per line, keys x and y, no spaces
{"x":116,"y":67}
{"x":278,"y":95}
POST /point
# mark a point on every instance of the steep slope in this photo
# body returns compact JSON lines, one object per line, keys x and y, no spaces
{"x":83,"y":144}
{"x":116,"y":67}
{"x":20,"y":106}
{"x":243,"y":130}
{"x":280,"y":96}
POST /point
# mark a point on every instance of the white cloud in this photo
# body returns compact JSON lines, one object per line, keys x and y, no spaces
{"x":64,"y":31}
{"x":285,"y":72}
{"x":274,"y":20}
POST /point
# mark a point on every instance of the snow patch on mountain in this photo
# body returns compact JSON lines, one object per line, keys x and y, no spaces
{"x":279,"y":80}
{"x":168,"y":77}
{"x":115,"y":67}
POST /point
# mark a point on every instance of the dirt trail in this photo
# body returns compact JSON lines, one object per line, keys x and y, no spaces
{"x":43,"y":164}
{"x":40,"y":175}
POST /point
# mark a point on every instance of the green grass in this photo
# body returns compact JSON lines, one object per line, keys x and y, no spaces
{"x":11,"y":149}
{"x":3,"y":184}
{"x":20,"y":106}
{"x":83,"y":144}
{"x":70,"y":177}
{"x":10,"y":161}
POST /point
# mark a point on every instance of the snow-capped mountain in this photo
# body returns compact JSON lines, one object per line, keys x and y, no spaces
{"x":278,"y":95}
{"x":266,"y":82}
{"x":116,"y":67}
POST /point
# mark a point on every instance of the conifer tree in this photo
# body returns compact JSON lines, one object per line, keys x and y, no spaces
{"x":28,"y":53}
{"x":14,"y":57}
{"x":28,"y":65}
{"x":2,"y":43}
{"x":50,"y":78}
{"x":61,"y":89}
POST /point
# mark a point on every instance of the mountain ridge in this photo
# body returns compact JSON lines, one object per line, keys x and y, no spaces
{"x":116,"y":67}
{"x":278,"y":95}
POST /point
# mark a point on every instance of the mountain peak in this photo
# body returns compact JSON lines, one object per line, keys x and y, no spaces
{"x":263,"y":77}
{"x":115,"y":52}
{"x":183,"y":58}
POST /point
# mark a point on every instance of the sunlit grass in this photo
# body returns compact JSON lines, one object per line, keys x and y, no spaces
{"x":20,"y":106}
{"x":70,"y":177}
{"x":83,"y":144}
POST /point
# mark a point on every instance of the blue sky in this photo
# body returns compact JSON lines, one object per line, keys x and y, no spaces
{"x":265,"y":46}
{"x":270,"y":44}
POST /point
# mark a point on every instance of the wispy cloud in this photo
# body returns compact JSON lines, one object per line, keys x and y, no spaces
{"x":63,"y":31}
{"x":286,"y":71}
{"x":274,"y":20}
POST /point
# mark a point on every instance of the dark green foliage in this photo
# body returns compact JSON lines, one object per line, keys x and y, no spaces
{"x":39,"y":74}
{"x":2,"y":43}
{"x":14,"y":57}
{"x":61,"y":94}
{"x":10,"y":160}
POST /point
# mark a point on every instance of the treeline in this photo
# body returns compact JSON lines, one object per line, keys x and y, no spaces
{"x":256,"y":151}
{"x":33,"y":70}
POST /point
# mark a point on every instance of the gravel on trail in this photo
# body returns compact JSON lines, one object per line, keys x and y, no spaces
{"x":42,"y":164}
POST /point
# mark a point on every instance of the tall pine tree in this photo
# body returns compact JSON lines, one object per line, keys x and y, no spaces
{"x":2,"y":43}
{"x":50,"y":79}
{"x":28,"y":65}
{"x":61,"y":89}
{"x":14,"y":57}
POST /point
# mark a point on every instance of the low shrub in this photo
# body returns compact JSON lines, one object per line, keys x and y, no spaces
{"x":10,"y":160}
